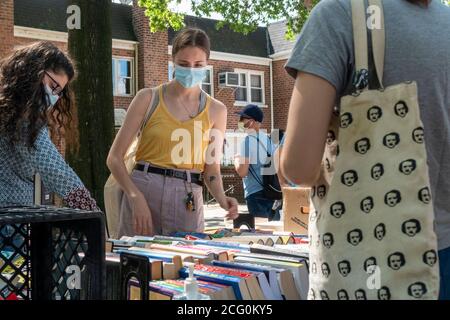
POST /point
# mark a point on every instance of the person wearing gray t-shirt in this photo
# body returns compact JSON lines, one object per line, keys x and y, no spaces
{"x":417,"y":49}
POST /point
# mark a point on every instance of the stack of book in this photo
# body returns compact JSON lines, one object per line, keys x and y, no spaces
{"x":236,"y":263}
{"x":168,"y":289}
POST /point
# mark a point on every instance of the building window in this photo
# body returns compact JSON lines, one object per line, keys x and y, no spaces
{"x":251,"y":88}
{"x":208,"y":81}
{"x":241,"y":91}
{"x":171,"y":71}
{"x":119,"y":118}
{"x":123,"y":76}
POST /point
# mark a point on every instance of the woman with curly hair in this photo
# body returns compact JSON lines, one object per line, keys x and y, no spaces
{"x":35,"y":92}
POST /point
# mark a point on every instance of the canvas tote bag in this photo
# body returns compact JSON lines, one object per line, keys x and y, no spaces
{"x":371,"y":233}
{"x":113,"y":193}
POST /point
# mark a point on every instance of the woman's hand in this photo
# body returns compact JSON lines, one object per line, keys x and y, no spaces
{"x":231,"y":205}
{"x":142,"y":216}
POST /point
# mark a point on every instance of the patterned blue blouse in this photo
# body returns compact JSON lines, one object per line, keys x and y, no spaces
{"x":18,"y":167}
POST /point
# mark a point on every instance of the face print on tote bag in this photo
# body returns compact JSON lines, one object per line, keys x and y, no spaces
{"x":373,"y":193}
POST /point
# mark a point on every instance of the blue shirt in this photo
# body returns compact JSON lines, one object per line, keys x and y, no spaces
{"x":256,"y":153}
{"x":19,"y":165}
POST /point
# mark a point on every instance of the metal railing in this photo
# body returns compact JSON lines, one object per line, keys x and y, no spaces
{"x":209,"y":200}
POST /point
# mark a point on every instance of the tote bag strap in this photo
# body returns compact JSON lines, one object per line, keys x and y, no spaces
{"x":360,"y":38}
{"x":379,"y":42}
{"x":151,"y":108}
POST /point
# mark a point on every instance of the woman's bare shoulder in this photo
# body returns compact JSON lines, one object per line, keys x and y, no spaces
{"x":144,"y":94}
{"x":218,"y":106}
{"x":141,"y":101}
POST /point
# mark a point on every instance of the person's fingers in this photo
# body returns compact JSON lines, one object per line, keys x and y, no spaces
{"x":144,"y":226}
{"x":231,"y":216}
{"x":141,"y":226}
{"x":137,"y":228}
{"x":233,"y":209}
{"x":135,"y":224}
{"x":148,"y":223}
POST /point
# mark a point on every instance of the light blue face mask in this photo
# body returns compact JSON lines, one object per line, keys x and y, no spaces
{"x":189,"y":77}
{"x":53,"y":98}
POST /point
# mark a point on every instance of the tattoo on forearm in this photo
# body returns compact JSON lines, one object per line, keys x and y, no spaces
{"x":212,"y":179}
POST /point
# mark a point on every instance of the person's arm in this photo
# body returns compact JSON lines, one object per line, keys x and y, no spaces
{"x":321,"y":62}
{"x":116,"y":164}
{"x":310,"y":113}
{"x":57,"y":176}
{"x":212,"y":174}
{"x":276,"y":159}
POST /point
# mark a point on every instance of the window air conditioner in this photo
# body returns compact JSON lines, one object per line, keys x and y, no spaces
{"x":229,"y":79}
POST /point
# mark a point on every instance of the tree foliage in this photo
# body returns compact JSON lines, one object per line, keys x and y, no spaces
{"x":242,"y":16}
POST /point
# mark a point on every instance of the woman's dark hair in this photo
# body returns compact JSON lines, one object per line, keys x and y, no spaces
{"x":23,"y":100}
{"x":423,"y":2}
{"x":191,"y":37}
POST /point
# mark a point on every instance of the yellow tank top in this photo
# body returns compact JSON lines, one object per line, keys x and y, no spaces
{"x":167,"y":142}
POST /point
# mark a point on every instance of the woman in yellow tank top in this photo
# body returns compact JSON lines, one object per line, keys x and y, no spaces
{"x":179,"y":151}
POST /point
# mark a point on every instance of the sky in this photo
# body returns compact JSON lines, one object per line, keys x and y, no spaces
{"x":185,"y":7}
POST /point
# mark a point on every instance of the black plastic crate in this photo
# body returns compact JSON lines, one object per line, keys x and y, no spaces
{"x":134,"y":267}
{"x":49,"y":253}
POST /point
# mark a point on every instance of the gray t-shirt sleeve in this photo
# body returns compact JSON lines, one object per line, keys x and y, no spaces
{"x":325,"y":45}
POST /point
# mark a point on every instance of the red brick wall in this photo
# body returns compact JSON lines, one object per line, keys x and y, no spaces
{"x":119,"y":102}
{"x":123,"y":53}
{"x":227,"y":95}
{"x":152,"y":52}
{"x":6,"y":27}
{"x":231,"y":179}
{"x":283,"y":84}
{"x":20,"y":41}
{"x":122,"y":102}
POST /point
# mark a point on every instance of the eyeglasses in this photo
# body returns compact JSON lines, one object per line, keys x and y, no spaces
{"x":56,"y":87}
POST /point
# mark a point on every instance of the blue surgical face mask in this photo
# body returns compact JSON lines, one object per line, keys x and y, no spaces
{"x":52,"y":98}
{"x":189,"y":77}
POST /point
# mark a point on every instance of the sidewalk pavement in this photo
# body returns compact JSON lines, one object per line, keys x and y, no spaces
{"x":214,"y":213}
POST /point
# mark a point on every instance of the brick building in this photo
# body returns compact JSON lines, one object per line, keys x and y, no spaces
{"x":142,"y":59}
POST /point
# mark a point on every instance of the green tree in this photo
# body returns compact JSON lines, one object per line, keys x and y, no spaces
{"x":91,"y":49}
{"x":241,"y":15}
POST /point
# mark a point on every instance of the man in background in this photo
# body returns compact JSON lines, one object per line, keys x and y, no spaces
{"x":253,"y":155}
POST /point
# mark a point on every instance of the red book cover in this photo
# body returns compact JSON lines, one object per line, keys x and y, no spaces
{"x":225,"y":271}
